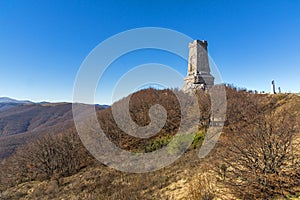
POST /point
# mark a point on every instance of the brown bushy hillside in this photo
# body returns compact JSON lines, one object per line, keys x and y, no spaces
{"x":216,"y":176}
{"x":139,"y":106}
{"x":27,"y":121}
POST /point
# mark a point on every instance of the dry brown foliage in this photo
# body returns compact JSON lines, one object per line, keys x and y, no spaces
{"x":140,"y":104}
{"x":257,"y":154}
{"x":203,"y":187}
{"x":49,"y":156}
{"x":259,"y":151}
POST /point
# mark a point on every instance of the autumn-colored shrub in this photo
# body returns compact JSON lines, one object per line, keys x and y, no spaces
{"x":47,"y":157}
{"x":262,"y":159}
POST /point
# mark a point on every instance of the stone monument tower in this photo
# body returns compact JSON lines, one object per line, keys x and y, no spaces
{"x":198,"y":75}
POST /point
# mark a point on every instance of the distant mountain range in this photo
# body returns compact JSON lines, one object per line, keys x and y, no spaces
{"x":22,"y":120}
{"x":9,"y":100}
{"x":7,"y":103}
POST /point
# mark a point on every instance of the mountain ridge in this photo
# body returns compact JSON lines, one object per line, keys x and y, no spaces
{"x":11,"y":100}
{"x":22,"y":121}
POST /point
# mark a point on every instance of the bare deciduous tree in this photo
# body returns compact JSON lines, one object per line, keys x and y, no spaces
{"x":46,"y":157}
{"x":262,"y":158}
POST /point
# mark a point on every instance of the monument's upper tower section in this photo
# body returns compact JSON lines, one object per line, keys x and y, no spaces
{"x":198,"y":58}
{"x":198,"y":75}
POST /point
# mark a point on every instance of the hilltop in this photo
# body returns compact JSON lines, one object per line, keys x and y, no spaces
{"x":90,"y":179}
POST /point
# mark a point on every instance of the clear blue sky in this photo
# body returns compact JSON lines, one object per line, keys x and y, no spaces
{"x":43,"y":43}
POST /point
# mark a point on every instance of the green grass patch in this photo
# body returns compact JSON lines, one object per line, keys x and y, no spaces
{"x":178,"y":141}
